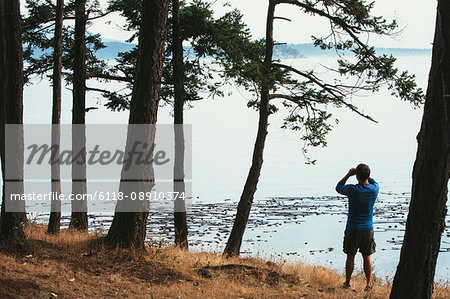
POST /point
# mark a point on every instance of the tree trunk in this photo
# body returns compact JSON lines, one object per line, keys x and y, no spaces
{"x":11,"y":97}
{"x":180,"y":223}
{"x":55,"y":213}
{"x":245,"y":203}
{"x":426,"y":218}
{"x":129,"y":228}
{"x":79,"y":206}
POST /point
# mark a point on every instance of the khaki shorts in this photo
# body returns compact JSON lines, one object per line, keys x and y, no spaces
{"x":362,"y":240}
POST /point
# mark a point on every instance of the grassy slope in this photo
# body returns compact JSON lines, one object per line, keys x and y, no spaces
{"x":74,"y":265}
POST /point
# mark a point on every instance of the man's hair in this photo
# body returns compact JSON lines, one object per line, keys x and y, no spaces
{"x":362,"y":172}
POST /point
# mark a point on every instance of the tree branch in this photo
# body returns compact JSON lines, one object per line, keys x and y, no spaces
{"x":99,"y":16}
{"x":28,"y":26}
{"x":96,"y":89}
{"x":351,"y":30}
{"x":331,"y":90}
{"x":296,"y":99}
{"x":282,"y":18}
{"x":335,"y":93}
{"x":109,"y":77}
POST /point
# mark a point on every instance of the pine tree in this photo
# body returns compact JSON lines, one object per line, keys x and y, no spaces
{"x":305,"y":94}
{"x":13,"y":214}
{"x":427,"y":210}
{"x":128,"y":228}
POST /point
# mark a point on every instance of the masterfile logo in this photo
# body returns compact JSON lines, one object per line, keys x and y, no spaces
{"x":128,"y":163}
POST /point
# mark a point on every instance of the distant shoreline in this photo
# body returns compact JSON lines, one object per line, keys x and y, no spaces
{"x":285,"y":51}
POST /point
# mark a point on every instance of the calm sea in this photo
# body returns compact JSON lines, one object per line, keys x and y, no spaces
{"x":224,"y":131}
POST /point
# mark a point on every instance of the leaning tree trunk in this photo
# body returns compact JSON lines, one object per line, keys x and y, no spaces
{"x":129,"y":228}
{"x":79,"y":206}
{"x":55,"y":213}
{"x":426,"y":218}
{"x":245,"y":203}
{"x":180,"y":223}
{"x":11,"y":97}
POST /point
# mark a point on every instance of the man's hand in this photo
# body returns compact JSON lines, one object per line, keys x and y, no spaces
{"x":351,"y":172}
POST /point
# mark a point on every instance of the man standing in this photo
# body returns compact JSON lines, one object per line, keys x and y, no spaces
{"x":359,"y":229}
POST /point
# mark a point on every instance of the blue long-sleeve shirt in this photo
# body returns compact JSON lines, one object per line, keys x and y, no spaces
{"x":361,"y":199}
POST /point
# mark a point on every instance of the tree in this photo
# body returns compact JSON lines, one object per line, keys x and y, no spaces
{"x":426,"y":218}
{"x":55,"y":214}
{"x":128,"y":228}
{"x":79,"y":207}
{"x":207,"y":36}
{"x":180,"y":222}
{"x":38,"y":39}
{"x":307,"y":98}
{"x":235,"y":240}
{"x":11,"y":97}
{"x":45,"y":19}
{"x":183,"y":79}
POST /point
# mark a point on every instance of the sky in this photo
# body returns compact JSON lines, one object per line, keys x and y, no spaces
{"x":416,"y":20}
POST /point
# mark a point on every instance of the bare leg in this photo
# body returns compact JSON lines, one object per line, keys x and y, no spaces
{"x":368,"y":270}
{"x":349,"y":265}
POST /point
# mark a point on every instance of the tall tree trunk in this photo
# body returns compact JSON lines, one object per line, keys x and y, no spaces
{"x":245,"y":203}
{"x":427,"y":210}
{"x":128,"y":229}
{"x":79,"y":206}
{"x":11,"y":97}
{"x":180,"y":223}
{"x":55,"y":213}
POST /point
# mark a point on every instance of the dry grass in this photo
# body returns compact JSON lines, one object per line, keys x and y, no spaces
{"x":77,"y":265}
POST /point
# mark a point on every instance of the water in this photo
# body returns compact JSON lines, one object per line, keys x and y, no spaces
{"x":224,"y":131}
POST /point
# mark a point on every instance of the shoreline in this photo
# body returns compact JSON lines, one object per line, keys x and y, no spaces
{"x":87,"y":268}
{"x":293,"y":228}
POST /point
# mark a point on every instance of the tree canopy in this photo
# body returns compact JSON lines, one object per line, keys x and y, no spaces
{"x":308,"y":93}
{"x":38,"y":26}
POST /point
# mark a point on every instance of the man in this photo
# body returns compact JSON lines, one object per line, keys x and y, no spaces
{"x":359,"y":230}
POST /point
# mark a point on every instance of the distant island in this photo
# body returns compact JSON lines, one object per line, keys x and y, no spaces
{"x":309,"y":50}
{"x":286,"y":51}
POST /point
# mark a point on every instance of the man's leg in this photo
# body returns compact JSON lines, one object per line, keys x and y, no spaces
{"x":349,"y":265}
{"x":368,"y":269}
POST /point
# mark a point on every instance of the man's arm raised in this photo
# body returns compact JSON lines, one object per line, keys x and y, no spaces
{"x":340,"y":186}
{"x":350,"y":173}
